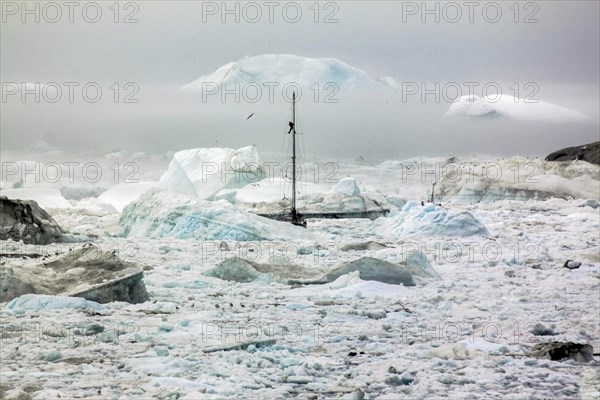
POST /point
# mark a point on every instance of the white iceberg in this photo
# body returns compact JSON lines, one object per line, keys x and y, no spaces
{"x":429,"y":220}
{"x":286,"y":69}
{"x":346,"y":186}
{"x":204,"y":172}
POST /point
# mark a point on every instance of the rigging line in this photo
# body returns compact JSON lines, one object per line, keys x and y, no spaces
{"x":304,"y":160}
{"x":303,"y":151}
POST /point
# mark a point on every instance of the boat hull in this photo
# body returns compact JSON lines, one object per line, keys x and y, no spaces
{"x":372,"y":215}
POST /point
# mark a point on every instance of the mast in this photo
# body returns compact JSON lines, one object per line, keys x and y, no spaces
{"x":294,"y":212}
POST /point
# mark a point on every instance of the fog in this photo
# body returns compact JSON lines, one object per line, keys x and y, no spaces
{"x":173,"y":44}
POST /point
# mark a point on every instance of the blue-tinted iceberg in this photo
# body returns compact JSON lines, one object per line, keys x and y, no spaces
{"x":165,"y":213}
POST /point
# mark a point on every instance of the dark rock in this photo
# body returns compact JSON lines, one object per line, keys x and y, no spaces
{"x":570,"y":264}
{"x":26,"y":220}
{"x":589,"y":152}
{"x":557,"y":351}
{"x":541,"y":330}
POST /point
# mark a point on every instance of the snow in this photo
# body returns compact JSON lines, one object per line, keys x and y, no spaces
{"x":507,"y":106}
{"x":204,"y":172}
{"x":165,"y":213}
{"x":285,"y":69}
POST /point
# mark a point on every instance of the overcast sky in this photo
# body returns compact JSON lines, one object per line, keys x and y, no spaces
{"x":174,"y":43}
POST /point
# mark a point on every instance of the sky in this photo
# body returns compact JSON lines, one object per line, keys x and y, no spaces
{"x":151,"y":49}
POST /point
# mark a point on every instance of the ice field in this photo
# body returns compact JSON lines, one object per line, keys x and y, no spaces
{"x":486,"y":259}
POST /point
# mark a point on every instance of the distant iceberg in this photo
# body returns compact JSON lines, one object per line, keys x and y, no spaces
{"x":285,"y":68}
{"x":514,"y":108}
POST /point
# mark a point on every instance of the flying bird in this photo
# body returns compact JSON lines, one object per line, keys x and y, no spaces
{"x":249,"y":116}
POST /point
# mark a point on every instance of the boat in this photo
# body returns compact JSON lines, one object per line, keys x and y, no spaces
{"x":291,"y":213}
